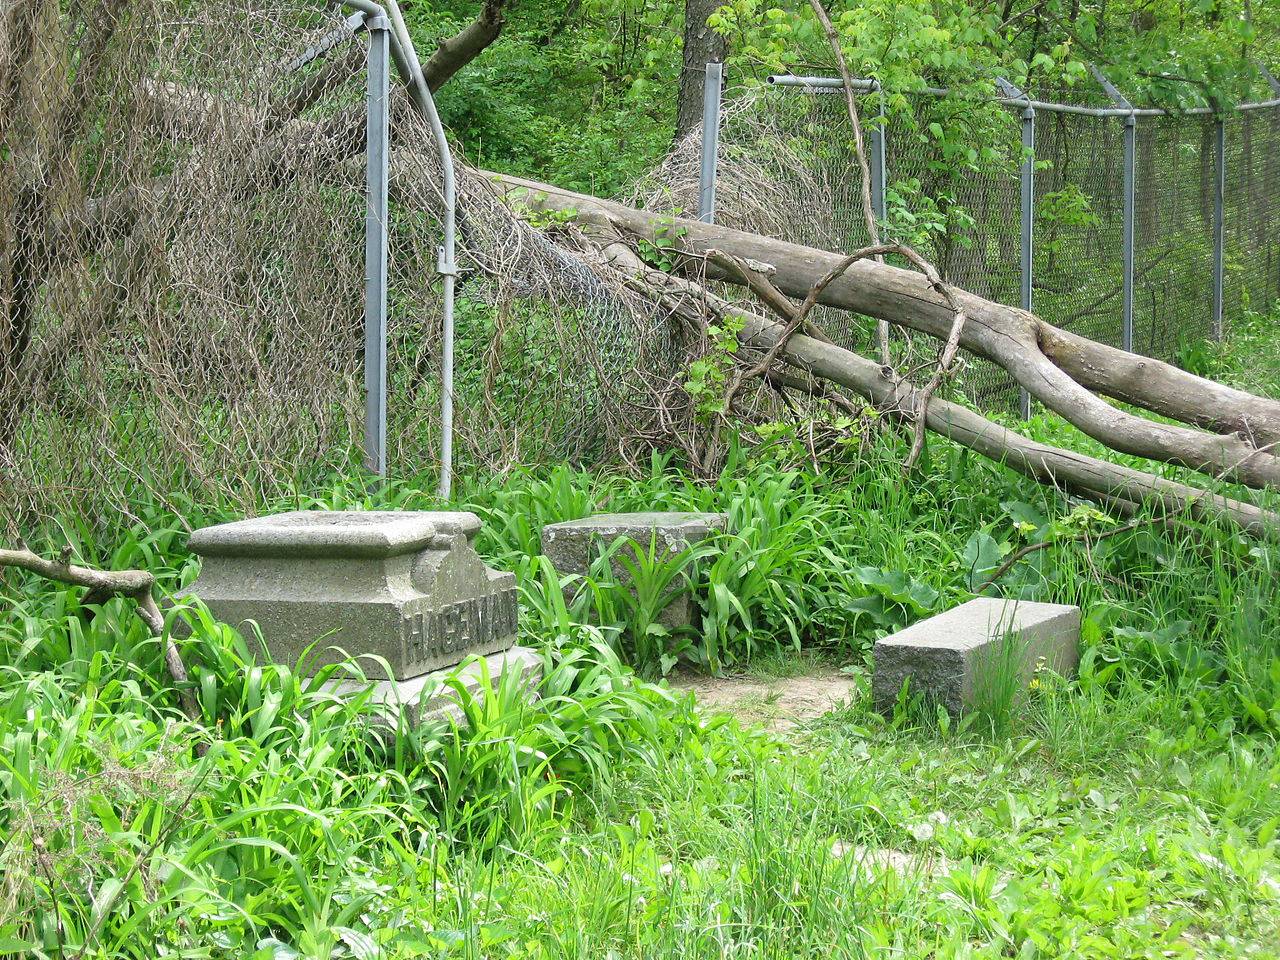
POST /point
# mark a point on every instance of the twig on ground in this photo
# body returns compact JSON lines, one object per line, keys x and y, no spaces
{"x":136,"y":585}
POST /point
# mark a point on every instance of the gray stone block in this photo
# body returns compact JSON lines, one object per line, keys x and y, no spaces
{"x":968,"y":655}
{"x":429,"y":698}
{"x":406,"y":586}
{"x":573,"y":545}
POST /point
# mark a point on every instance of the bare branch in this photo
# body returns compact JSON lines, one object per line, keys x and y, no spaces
{"x":851,"y":105}
{"x":136,"y":585}
{"x":957,"y":324}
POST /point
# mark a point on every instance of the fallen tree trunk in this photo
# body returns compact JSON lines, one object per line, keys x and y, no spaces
{"x":896,"y":397}
{"x":1042,"y":462}
{"x":1058,"y":368}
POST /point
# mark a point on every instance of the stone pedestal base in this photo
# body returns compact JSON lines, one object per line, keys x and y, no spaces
{"x":426,"y":699}
{"x":405,"y":586}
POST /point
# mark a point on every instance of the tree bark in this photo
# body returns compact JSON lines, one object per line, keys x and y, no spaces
{"x":137,"y":585}
{"x":1052,"y":466}
{"x":1055,"y":365}
{"x":454,"y":53}
{"x":702,"y":45}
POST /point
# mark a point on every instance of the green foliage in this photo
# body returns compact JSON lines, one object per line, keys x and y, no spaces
{"x":606,"y":814}
{"x":1165,"y":51}
{"x":1131,"y":811}
{"x":921,"y":220}
{"x":709,"y":375}
{"x":1059,"y":213}
{"x":282,"y":809}
{"x":578,"y":95}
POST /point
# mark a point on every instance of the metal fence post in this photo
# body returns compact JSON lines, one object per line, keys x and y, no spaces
{"x":879,"y":171}
{"x":1028,"y":224}
{"x":1028,"y":205}
{"x":1028,"y":201}
{"x":710,"y":141}
{"x":377,"y":151}
{"x":1130,"y":187}
{"x":1219,"y":223}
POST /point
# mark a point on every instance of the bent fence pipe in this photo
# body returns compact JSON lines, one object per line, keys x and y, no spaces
{"x":410,"y":69}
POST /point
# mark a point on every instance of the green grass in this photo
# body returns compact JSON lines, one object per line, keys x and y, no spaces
{"x":1130,"y":812}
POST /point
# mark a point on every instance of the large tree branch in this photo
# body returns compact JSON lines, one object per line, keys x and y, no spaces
{"x":137,"y":585}
{"x":897,"y":398}
{"x":454,"y":53}
{"x":1058,"y":368}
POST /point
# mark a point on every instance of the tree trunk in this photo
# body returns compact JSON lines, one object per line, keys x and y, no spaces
{"x":701,"y":45}
{"x":1064,"y":469}
{"x":1058,"y":368}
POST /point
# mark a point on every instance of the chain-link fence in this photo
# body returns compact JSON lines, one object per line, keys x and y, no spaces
{"x":1101,"y":217}
{"x":183,"y":264}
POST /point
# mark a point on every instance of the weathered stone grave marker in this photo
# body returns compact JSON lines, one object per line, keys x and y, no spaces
{"x":405,"y":586}
{"x":573,"y":545}
{"x":961,"y":656}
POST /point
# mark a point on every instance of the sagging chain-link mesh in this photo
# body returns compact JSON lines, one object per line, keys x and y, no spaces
{"x":787,"y":169}
{"x":181,"y":267}
{"x":182,"y":202}
{"x":551,"y":351}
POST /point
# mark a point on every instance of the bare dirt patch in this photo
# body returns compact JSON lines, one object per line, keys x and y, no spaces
{"x":778,"y":704}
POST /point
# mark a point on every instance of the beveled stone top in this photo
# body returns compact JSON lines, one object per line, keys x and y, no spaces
{"x":335,"y":534}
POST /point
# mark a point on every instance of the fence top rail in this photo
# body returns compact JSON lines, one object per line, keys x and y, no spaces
{"x":835,"y":84}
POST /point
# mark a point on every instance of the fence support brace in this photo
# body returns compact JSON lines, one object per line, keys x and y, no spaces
{"x":407,"y":64}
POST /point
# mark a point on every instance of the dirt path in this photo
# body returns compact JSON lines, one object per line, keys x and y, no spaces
{"x":778,"y":704}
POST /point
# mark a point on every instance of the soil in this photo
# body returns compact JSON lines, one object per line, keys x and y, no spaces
{"x":778,"y":704}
